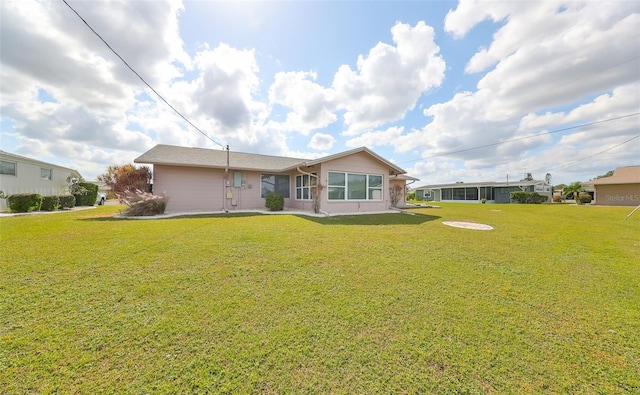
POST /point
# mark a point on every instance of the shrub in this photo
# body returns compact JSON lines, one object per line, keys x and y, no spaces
{"x":89,"y":196}
{"x":24,"y":202}
{"x":411,"y":196}
{"x":527,"y":197}
{"x":142,"y":204}
{"x":584,"y":197}
{"x":274,"y":202}
{"x":557,"y":199}
{"x":50,"y":203}
{"x":67,"y":201}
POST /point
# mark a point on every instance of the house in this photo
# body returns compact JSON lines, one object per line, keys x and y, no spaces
{"x":495,"y":192}
{"x":206,"y":180}
{"x":621,"y":189}
{"x":19,"y":174}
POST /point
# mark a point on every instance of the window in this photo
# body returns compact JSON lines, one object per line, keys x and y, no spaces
{"x":275,"y":183}
{"x":8,"y":168}
{"x":46,"y":174}
{"x":304,"y":183}
{"x":350,"y":186}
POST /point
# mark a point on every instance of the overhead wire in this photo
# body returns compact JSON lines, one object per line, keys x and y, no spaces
{"x":523,"y":138}
{"x":141,"y":78}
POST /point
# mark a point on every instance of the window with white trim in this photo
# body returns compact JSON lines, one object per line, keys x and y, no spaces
{"x":8,"y":168}
{"x":353,"y":186}
{"x":274,"y":183}
{"x":46,"y":174}
{"x":304,"y":185}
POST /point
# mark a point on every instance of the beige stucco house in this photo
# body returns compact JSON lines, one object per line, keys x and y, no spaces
{"x":621,"y":189}
{"x":206,"y":180}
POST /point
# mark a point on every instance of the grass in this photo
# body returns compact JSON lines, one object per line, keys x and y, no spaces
{"x":547,"y":302}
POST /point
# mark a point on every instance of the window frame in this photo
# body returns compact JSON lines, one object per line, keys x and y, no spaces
{"x":263,"y":195}
{"x":3,"y":163}
{"x":301,"y":188}
{"x":44,"y":177}
{"x":344,"y":193}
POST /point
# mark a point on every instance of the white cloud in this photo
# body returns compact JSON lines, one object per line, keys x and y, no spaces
{"x":389,"y":80}
{"x":312,"y":105}
{"x":321,"y":142}
{"x":545,"y":72}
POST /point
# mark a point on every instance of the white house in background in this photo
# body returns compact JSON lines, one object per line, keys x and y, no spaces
{"x":19,"y":174}
{"x":493,"y":192}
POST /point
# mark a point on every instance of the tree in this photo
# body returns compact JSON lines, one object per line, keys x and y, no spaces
{"x":126,"y":178}
{"x":572,"y":188}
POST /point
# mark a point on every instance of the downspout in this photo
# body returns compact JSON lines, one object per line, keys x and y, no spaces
{"x":224,"y":182}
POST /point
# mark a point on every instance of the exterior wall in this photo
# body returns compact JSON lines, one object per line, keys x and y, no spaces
{"x":403,"y":191}
{"x":28,"y":180}
{"x":361,"y":163}
{"x":617,"y":195}
{"x":189,"y":189}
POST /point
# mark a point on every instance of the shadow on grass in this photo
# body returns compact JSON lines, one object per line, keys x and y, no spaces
{"x":372,"y":219}
{"x":221,"y":215}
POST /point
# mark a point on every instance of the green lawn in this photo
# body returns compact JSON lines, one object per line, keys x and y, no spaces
{"x":547,"y":302}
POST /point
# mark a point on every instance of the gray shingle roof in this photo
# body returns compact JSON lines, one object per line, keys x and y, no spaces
{"x":201,"y":157}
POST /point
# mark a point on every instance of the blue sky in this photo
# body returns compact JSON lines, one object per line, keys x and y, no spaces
{"x":422,"y":83}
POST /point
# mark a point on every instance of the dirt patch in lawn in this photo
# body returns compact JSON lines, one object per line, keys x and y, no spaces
{"x":468,"y":225}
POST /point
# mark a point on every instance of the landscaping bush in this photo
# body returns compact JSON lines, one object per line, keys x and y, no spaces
{"x":88,"y":196}
{"x":274,"y":202}
{"x":411,"y":196}
{"x":143,"y":204}
{"x":584,"y":197}
{"x":557,"y":199}
{"x":24,"y":202}
{"x":527,"y":197}
{"x":50,"y":203}
{"x":67,"y":201}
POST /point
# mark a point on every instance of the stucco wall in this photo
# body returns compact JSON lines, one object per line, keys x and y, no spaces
{"x":617,"y":195}
{"x":189,"y":189}
{"x":362,"y":163}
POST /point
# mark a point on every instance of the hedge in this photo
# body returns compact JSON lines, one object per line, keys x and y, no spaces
{"x":274,"y":202}
{"x":88,"y":198}
{"x":24,"y":202}
{"x":67,"y":201}
{"x":528,"y":197}
{"x":50,"y":203}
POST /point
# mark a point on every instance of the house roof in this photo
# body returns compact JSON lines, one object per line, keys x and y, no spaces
{"x":18,"y":158}
{"x":622,"y":175}
{"x":202,"y":157}
{"x":481,"y":184}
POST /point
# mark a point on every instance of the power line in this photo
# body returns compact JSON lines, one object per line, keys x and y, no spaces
{"x":140,"y":77}
{"x":523,"y":138}
{"x":596,"y":154}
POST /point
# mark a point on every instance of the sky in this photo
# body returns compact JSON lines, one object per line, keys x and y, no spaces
{"x":450,"y":91}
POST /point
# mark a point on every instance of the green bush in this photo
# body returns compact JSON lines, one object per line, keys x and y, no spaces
{"x":527,"y":197}
{"x":24,"y":202}
{"x":67,"y":201}
{"x":50,"y":203}
{"x":89,"y":195}
{"x":585,"y":197}
{"x":411,"y":196}
{"x":274,"y":202}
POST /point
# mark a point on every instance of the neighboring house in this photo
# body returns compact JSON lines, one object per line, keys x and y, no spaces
{"x":621,"y":189}
{"x":206,"y":180}
{"x":19,"y":174}
{"x":495,"y":192}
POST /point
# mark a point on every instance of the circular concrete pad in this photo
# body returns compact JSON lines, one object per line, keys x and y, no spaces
{"x":468,"y":225}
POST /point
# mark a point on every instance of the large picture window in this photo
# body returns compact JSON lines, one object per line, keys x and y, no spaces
{"x":8,"y":168}
{"x":275,"y":183}
{"x":304,"y":183}
{"x":352,"y":186}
